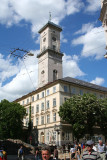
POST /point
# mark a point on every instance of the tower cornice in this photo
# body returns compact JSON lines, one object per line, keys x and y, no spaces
{"x":50,"y":24}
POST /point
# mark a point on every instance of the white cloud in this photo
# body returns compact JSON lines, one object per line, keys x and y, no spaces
{"x":24,"y":82}
{"x":93,"y":5}
{"x":98,"y":81}
{"x":74,"y":6}
{"x":93,"y":42}
{"x":36,"y":12}
{"x":70,"y":66}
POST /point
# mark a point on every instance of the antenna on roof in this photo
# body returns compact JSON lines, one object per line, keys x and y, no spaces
{"x":50,"y":16}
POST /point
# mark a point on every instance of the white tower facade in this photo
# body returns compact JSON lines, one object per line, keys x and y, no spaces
{"x":50,"y":57}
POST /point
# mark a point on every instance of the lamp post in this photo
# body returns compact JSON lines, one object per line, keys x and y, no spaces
{"x":57,"y":128}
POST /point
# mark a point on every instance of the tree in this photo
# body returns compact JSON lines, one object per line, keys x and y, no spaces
{"x":11,"y":119}
{"x":84,"y":113}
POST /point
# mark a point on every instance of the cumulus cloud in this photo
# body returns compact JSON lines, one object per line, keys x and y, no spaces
{"x":71,"y":67}
{"x":93,"y":5}
{"x":98,"y":81}
{"x":37,"y":12}
{"x":93,"y":41}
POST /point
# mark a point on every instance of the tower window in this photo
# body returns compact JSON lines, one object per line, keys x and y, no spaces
{"x":44,"y":39}
{"x":53,"y":38}
{"x":54,"y":47}
{"x":55,"y":74}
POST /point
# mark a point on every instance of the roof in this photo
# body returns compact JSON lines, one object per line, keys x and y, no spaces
{"x":68,"y":80}
{"x":84,"y":83}
{"x":50,"y":24}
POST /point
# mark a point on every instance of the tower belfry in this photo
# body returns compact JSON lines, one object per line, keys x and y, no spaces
{"x":50,"y":57}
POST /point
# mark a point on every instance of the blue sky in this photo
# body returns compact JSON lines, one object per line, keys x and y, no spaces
{"x":82,"y":42}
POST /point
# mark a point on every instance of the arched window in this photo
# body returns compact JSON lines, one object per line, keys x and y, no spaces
{"x":55,"y":75}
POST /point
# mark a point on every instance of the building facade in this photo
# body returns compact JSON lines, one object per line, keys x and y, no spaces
{"x":53,"y":90}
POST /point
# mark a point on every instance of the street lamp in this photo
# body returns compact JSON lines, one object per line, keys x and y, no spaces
{"x":105,"y":56}
{"x":57,"y":128}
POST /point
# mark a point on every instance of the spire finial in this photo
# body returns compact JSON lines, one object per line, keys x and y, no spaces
{"x":49,"y":16}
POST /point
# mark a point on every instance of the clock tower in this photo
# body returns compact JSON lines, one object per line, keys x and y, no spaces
{"x":50,"y":57}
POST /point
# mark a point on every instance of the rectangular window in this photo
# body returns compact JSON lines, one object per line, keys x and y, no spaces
{"x":81,"y":92}
{"x":54,"y":135}
{"x":54,"y":47}
{"x":47,"y":104}
{"x":32,"y":109}
{"x":47,"y":92}
{"x":73,"y":90}
{"x":32,"y":98}
{"x":37,"y":108}
{"x":42,"y":120}
{"x":65,"y":89}
{"x":54,"y":117}
{"x":67,"y":135}
{"x":37,"y":121}
{"x":54,"y":89}
{"x":47,"y":136}
{"x":23,"y":102}
{"x":54,"y":102}
{"x":42,"y":106}
{"x":37,"y":96}
{"x":48,"y":118}
{"x":27,"y":100}
{"x":42,"y":94}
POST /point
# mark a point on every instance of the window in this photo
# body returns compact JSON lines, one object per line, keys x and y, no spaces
{"x":73,"y":90}
{"x":81,"y":92}
{"x":47,"y":136}
{"x":37,"y":96}
{"x":54,"y":135}
{"x":54,"y":102}
{"x":67,"y":135}
{"x":101,"y":96}
{"x":42,"y":94}
{"x":48,"y":104}
{"x":27,"y":100}
{"x":32,"y":110}
{"x":54,"y":117}
{"x":42,"y":120}
{"x":32,"y":98}
{"x":53,"y":38}
{"x":23,"y":102}
{"x":32,"y":122}
{"x":37,"y":121}
{"x":42,"y":106}
{"x":65,"y":89}
{"x":37,"y":108}
{"x":54,"y":47}
{"x":54,"y":89}
{"x":47,"y":92}
{"x":44,"y":39}
{"x":48,"y":118}
{"x":55,"y":75}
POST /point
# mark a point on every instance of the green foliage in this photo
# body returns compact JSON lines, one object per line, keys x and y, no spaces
{"x":84,"y":113}
{"x":11,"y":119}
